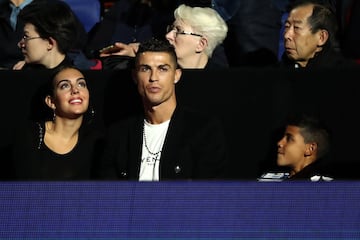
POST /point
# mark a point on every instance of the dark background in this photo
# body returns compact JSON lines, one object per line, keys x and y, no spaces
{"x":251,"y":102}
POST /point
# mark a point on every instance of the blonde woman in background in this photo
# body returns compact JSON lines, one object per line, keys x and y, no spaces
{"x":195,"y":33}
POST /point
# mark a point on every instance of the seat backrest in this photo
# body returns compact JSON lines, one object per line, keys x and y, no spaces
{"x":88,"y":11}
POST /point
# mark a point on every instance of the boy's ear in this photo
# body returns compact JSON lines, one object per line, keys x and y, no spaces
{"x":311,"y":149}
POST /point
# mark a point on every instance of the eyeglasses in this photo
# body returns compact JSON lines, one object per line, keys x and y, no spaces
{"x":26,"y":38}
{"x":177,"y":31}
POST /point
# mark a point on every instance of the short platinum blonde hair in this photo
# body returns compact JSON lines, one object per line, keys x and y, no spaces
{"x":205,"y":21}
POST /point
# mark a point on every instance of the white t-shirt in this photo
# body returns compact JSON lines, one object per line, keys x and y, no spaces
{"x":153,"y":141}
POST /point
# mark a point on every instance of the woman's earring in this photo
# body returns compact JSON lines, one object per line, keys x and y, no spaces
{"x":92,"y":112}
{"x":54,"y":116}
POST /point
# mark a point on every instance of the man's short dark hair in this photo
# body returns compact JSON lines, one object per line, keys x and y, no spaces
{"x":323,"y":17}
{"x":157,"y":45}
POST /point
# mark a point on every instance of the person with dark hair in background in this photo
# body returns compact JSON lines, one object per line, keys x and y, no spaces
{"x":52,"y":36}
{"x":167,"y":141}
{"x":311,"y":37}
{"x":302,"y":150}
{"x":11,"y":30}
{"x":63,"y":145}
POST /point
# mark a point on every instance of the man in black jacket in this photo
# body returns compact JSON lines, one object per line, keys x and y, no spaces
{"x":310,"y":37}
{"x":166,"y":141}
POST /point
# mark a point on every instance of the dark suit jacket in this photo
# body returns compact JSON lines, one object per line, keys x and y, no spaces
{"x":194,"y":148}
{"x":329,"y":57}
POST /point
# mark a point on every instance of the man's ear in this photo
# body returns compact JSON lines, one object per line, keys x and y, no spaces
{"x":178,"y":73}
{"x":323,"y":37}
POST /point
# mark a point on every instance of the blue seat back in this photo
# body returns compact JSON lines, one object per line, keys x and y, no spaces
{"x":88,"y":11}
